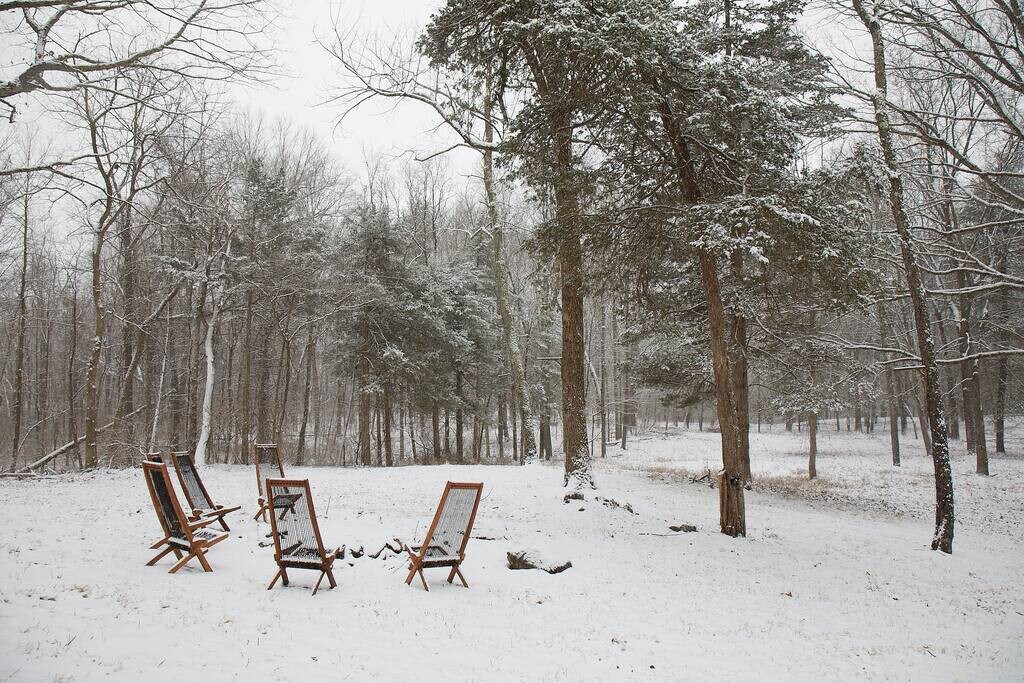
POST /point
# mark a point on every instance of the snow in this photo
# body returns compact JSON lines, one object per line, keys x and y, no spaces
{"x":835,"y":580}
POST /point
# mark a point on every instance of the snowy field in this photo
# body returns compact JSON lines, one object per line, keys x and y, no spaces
{"x":835,"y":580}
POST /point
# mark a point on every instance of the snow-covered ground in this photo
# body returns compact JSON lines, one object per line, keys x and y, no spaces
{"x":835,"y":580}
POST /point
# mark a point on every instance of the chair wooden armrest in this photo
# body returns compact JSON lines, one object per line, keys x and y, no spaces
{"x":199,"y":524}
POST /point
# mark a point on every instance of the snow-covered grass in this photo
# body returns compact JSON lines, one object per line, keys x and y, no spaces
{"x":834,"y":588}
{"x":854,"y":472}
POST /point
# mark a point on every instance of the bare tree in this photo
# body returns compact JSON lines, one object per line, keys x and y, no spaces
{"x":71,"y":45}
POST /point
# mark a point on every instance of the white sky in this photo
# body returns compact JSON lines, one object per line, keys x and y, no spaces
{"x":391,"y":129}
{"x":388,"y":128}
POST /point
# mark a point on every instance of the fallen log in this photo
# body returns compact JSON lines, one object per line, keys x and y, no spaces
{"x":70,"y":444}
{"x":525,"y":559}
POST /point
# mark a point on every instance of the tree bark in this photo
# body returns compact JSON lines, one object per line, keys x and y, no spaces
{"x":206,"y":428}
{"x":575,"y":446}
{"x":502,"y":289}
{"x":435,"y":423}
{"x":890,"y":389}
{"x":246,"y":435}
{"x":310,"y":364}
{"x":364,"y":423}
{"x":19,"y":358}
{"x":942,"y":539}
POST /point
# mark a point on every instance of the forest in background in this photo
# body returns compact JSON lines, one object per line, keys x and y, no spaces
{"x":683,"y":213}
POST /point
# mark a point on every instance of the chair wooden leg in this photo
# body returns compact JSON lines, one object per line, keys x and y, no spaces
{"x":318,"y":581}
{"x":462,"y":578}
{"x":451,"y":574}
{"x":424,"y":580}
{"x":284,"y":576}
{"x":330,"y":577}
{"x":201,"y":556}
{"x":158,"y":544}
{"x":223,"y":524}
{"x":276,"y":577}
{"x":412,"y":573}
{"x":159,"y":555}
{"x":177,"y":553}
{"x":181,"y":563}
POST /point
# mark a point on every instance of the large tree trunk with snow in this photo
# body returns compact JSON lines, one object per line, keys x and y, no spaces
{"x":735,"y":457}
{"x":575,"y":445}
{"x":944,"y":511}
{"x":206,"y":426}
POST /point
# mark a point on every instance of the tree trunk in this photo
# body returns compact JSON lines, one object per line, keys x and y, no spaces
{"x":890,"y":389}
{"x":502,"y":289}
{"x":310,"y":364}
{"x":92,"y":375}
{"x":1002,"y":318}
{"x":944,"y":508}
{"x":435,"y":423}
{"x":207,"y":421}
{"x":812,"y":449}
{"x":72,"y":384}
{"x":19,"y":359}
{"x":545,"y":436}
{"x":603,"y":381}
{"x":386,"y":417}
{"x":246,"y":445}
{"x":578,"y":471}
{"x":458,"y":416}
{"x":364,"y":423}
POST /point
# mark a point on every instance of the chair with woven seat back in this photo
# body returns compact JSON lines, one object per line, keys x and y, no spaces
{"x":293,"y":524}
{"x":445,"y":542}
{"x":186,"y":538}
{"x":198,"y":497}
{"x":267,"y":458}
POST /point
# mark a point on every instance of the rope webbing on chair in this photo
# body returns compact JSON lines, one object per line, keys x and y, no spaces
{"x":452,"y":525}
{"x":293,"y":523}
{"x":166,"y":505}
{"x":190,"y":477}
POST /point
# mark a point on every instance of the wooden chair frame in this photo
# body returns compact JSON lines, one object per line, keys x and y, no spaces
{"x":263,"y":505}
{"x":197,"y":547}
{"x":418,"y":561}
{"x":217,"y":512}
{"x":283,"y":563}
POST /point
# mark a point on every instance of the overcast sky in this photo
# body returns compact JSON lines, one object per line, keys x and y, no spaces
{"x":385,"y":128}
{"x":391,"y":129}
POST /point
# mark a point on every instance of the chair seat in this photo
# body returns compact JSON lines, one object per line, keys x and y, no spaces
{"x":436,"y":554}
{"x":205,"y":535}
{"x":309,"y":557}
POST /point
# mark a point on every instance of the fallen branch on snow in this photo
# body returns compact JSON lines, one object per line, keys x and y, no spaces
{"x":71,"y":444}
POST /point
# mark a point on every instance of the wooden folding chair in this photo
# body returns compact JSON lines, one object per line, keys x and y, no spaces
{"x":198,"y":497}
{"x":267,"y":458}
{"x":297,"y":542}
{"x":446,"y":539}
{"x":185,"y":538}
